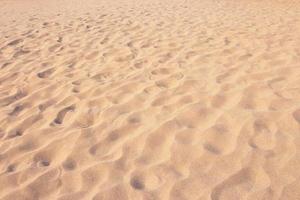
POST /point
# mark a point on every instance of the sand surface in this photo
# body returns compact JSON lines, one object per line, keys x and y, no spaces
{"x":149,"y":100}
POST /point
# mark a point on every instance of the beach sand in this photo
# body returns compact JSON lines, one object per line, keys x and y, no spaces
{"x":149,"y":100}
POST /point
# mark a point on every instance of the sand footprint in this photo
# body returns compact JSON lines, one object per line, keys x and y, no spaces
{"x":46,"y":73}
{"x":69,"y":164}
{"x":234,"y":186}
{"x":137,"y":183}
{"x":47,"y":104}
{"x":169,"y":82}
{"x":263,"y":137}
{"x":15,"y":42}
{"x":15,"y":133}
{"x":20,"y":52}
{"x":161,"y":71}
{"x":218,"y":139}
{"x":10,"y":99}
{"x":86,"y":119}
{"x":61,"y":114}
{"x":125,"y":58}
{"x":164,"y":58}
{"x":18,"y":109}
{"x":5,"y":65}
{"x":25,"y":124}
{"x":102,"y":76}
{"x":104,"y":41}
{"x":140,"y":64}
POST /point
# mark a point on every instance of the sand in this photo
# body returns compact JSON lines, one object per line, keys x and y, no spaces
{"x":149,"y":99}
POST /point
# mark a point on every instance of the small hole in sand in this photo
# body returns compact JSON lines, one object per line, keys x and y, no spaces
{"x":211,"y":148}
{"x":137,"y":183}
{"x":11,"y":168}
{"x":93,"y":150}
{"x":19,"y":133}
{"x":75,"y":90}
{"x":134,"y":120}
{"x":43,"y":163}
{"x":69,"y":164}
{"x":113,"y":136}
{"x":16,"y":133}
{"x":27,"y":145}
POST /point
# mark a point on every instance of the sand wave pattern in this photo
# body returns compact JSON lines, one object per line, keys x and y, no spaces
{"x":149,"y":100}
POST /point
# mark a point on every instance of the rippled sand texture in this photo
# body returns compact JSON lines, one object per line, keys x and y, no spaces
{"x":154,"y":100}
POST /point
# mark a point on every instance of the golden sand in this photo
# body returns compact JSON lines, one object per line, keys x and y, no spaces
{"x":149,"y":100}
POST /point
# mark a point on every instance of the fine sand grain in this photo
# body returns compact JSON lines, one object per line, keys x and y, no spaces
{"x":149,"y":100}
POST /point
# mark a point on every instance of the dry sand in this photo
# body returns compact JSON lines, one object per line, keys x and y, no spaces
{"x":149,"y":99}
